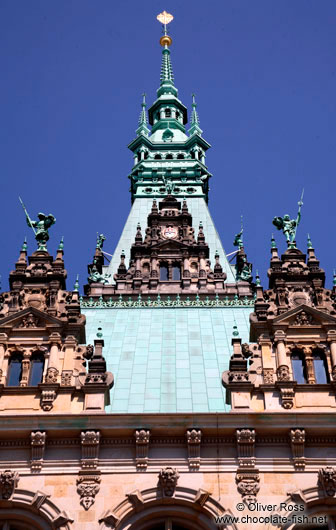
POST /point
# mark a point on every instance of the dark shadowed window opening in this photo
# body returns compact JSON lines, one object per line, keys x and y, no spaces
{"x":15,"y":370}
{"x":36,"y":370}
{"x":164,"y":273}
{"x":320,"y":368}
{"x":176,"y":272}
{"x":168,"y":113}
{"x":299,"y":368}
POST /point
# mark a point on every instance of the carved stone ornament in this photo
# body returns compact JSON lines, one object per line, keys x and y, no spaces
{"x":88,"y":352}
{"x":95,"y":378}
{"x":51,"y":376}
{"x":287,"y":398}
{"x":245,"y":436}
{"x":194,"y":438}
{"x":90,"y":441}
{"x":8,"y":482}
{"x":283,"y":373}
{"x":168,"y":478}
{"x":327,"y":480}
{"x":238,"y":377}
{"x":37,"y":442}
{"x":29,"y":321}
{"x":66,"y":377}
{"x":246,"y":447}
{"x":47,"y":399}
{"x":87,"y":488}
{"x":246,"y":350}
{"x":142,"y":438}
{"x":297,"y":438}
{"x":268,"y":375}
{"x":303,"y":319}
{"x":248,"y":485}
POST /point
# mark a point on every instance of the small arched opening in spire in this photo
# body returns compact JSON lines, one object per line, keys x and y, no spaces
{"x":169,"y":156}
{"x":168,"y":113}
{"x":157,"y":157}
{"x":146,"y":155}
{"x":180,"y":156}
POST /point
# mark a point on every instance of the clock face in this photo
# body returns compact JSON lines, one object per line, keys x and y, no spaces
{"x":170,"y":232}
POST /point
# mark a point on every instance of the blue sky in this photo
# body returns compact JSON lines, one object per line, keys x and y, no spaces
{"x":72,"y":75}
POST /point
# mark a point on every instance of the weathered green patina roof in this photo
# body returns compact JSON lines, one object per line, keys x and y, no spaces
{"x":200,"y":213}
{"x":167,"y":359}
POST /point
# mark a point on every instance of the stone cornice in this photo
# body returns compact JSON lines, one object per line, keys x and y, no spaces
{"x":123,"y":425}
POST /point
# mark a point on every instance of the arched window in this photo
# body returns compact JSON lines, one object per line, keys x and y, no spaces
{"x":164,"y":272}
{"x":176,"y":272}
{"x":157,"y":157}
{"x":168,"y":113}
{"x":139,"y":156}
{"x":299,"y":367}
{"x":146,"y":155}
{"x":15,"y":370}
{"x":169,"y":157}
{"x":193,"y":156}
{"x":180,"y":156}
{"x":320,"y":367}
{"x":177,"y":114}
{"x":36,"y":369}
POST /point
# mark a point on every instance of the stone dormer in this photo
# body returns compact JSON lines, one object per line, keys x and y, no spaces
{"x":169,"y":258}
{"x":292,"y":366}
{"x":44,"y":362}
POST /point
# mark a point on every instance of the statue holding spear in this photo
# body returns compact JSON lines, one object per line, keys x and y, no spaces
{"x":40,"y":227}
{"x":288,"y":225}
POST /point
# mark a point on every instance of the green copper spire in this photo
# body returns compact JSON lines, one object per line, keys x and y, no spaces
{"x":334,"y":278}
{"x":76,"y":286}
{"x":257,"y":280}
{"x":195,"y":128}
{"x":24,"y":246}
{"x":309,"y":242}
{"x":235,"y":332}
{"x":61,"y":244}
{"x":167,"y":77}
{"x":143,"y":128}
{"x":273,"y":243}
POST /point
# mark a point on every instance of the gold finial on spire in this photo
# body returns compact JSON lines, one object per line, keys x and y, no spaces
{"x":165,"y":18}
